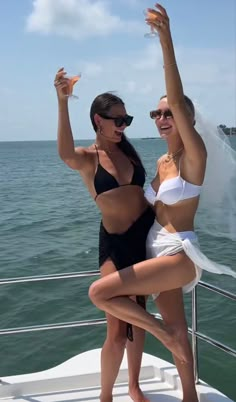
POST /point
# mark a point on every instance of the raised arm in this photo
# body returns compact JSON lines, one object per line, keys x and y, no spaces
{"x":192,"y":141}
{"x":76,"y":158}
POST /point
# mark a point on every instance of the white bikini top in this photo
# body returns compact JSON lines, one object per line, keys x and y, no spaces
{"x":172,"y":191}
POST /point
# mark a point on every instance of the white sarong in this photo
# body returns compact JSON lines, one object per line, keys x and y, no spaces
{"x":160,"y":242}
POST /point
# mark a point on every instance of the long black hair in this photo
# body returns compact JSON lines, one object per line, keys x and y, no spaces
{"x":102,"y":105}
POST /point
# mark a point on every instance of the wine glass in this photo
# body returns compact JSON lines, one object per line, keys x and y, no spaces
{"x":73,"y":79}
{"x":152,"y":33}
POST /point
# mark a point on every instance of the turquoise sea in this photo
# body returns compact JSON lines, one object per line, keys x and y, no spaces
{"x":48,"y":224}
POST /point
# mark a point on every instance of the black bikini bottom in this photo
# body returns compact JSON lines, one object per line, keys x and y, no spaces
{"x":127,"y":248}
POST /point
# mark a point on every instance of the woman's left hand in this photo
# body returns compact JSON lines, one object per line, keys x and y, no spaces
{"x":158,"y":20}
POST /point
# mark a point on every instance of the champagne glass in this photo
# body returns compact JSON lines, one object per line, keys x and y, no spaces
{"x":73,"y":79}
{"x":152,"y":33}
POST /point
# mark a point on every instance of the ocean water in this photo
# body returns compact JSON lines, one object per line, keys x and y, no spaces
{"x":49,"y":224}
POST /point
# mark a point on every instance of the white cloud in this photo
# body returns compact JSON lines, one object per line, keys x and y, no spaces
{"x":77,"y":19}
{"x":139,"y":80}
{"x":91,"y":69}
{"x":138,"y":73}
{"x":133,"y":3}
{"x":207,"y":74}
{"x":207,"y":66}
{"x":131,"y":86}
{"x":152,"y":57}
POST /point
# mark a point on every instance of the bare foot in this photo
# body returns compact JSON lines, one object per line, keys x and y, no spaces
{"x":172,"y":341}
{"x":137,"y":395}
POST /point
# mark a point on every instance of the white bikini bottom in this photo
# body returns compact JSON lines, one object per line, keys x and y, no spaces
{"x":160,"y":242}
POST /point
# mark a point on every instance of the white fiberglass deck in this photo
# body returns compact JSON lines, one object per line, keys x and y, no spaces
{"x":78,"y":380}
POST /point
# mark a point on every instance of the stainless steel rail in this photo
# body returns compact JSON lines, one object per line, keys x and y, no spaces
{"x":194,"y":330}
{"x":194,"y":335}
{"x":59,"y":325}
{"x":39,"y":278}
{"x":215,"y":289}
{"x":198,"y":335}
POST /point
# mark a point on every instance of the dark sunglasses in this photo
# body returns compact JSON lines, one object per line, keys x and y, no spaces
{"x":156,"y":114}
{"x":119,"y":121}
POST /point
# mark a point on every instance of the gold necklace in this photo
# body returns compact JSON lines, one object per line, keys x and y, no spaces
{"x":169,"y":157}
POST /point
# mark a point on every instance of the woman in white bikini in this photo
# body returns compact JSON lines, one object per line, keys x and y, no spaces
{"x":176,"y":262}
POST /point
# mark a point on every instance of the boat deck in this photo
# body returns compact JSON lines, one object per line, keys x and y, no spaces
{"x":78,"y":380}
{"x":164,"y":394}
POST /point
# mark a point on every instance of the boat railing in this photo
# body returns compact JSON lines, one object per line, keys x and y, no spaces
{"x":193,"y":330}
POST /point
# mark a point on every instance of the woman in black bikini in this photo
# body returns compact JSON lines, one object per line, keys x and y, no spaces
{"x":114,"y":175}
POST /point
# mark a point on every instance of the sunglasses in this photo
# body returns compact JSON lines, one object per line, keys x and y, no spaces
{"x":156,"y":114}
{"x":119,"y":121}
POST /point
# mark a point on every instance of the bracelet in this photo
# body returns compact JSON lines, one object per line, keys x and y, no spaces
{"x":168,"y":65}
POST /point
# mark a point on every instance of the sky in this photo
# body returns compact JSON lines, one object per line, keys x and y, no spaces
{"x":104,"y":40}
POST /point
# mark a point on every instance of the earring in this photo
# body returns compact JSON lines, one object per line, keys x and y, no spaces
{"x":100,"y":130}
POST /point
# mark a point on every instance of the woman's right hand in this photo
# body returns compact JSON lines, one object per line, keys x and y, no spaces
{"x":159,"y":21}
{"x":62,"y":85}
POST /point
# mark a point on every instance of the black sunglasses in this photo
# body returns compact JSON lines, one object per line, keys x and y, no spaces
{"x":120,"y":120}
{"x":156,"y":114}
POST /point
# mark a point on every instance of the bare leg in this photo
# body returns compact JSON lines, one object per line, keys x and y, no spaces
{"x":171,"y":307}
{"x":147,"y":277}
{"x":134,"y":355}
{"x":111,"y":356}
{"x":113,"y":351}
{"x":113,"y":348}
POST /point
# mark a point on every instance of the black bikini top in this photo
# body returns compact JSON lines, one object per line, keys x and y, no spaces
{"x":104,"y":181}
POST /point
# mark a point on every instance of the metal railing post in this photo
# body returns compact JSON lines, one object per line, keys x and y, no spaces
{"x":194,"y":336}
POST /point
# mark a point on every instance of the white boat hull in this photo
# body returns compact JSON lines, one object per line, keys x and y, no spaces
{"x":78,"y":379}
